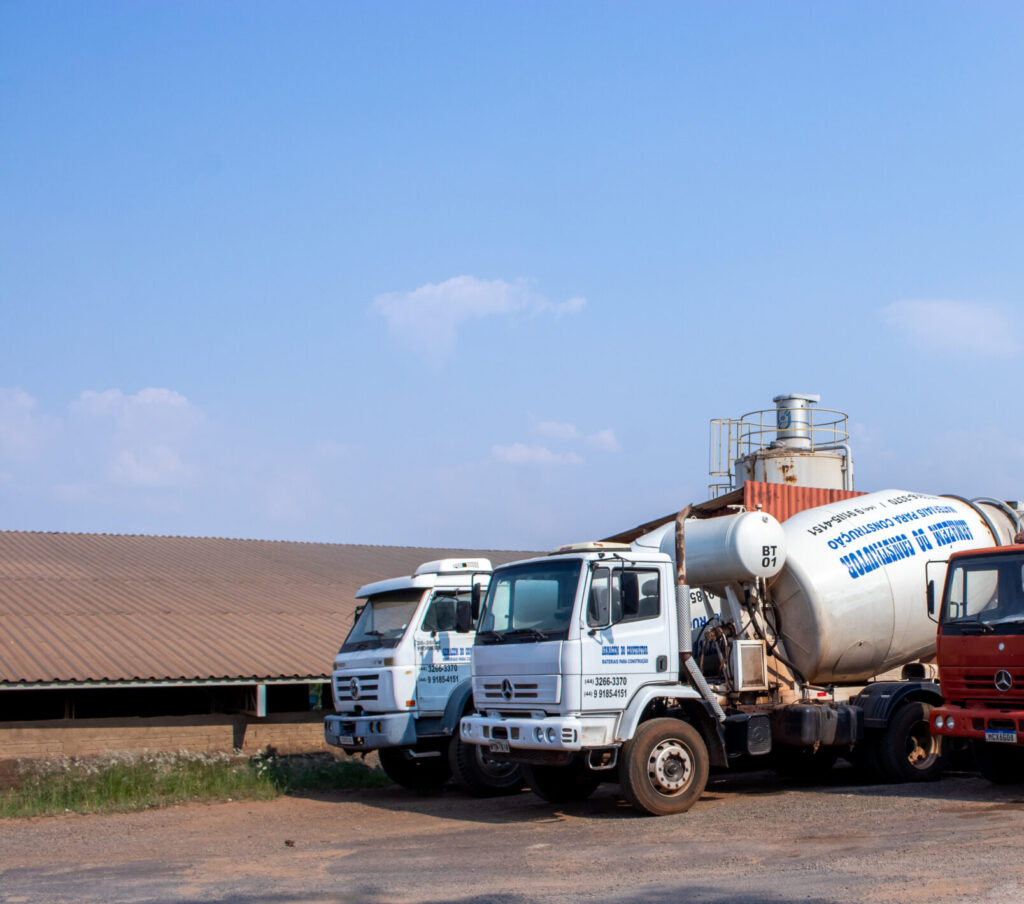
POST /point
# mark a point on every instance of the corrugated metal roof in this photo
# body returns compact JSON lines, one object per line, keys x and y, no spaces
{"x":108,"y":607}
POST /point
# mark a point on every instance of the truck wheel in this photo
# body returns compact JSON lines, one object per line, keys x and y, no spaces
{"x":420,"y":773}
{"x":479,"y":774}
{"x":562,"y":784}
{"x":664,"y":768}
{"x":908,"y":751}
{"x":1000,"y":765}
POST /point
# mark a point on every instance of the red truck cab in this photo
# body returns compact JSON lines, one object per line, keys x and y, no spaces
{"x":980,"y":651}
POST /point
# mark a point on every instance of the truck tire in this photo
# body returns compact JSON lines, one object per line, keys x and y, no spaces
{"x":1000,"y":765}
{"x":908,"y":751}
{"x":415,"y":773}
{"x":562,"y":784}
{"x":480,"y":775}
{"x":664,"y":768}
{"x":865,"y":757}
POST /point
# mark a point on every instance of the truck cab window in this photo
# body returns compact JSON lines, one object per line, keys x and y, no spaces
{"x":989,"y":590}
{"x":441,"y":614}
{"x":640,"y":595}
{"x":635,"y":594}
{"x":531,"y":600}
{"x":383,"y":620}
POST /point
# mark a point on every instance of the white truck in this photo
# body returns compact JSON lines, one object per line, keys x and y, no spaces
{"x":590,"y":665}
{"x":401,"y":680}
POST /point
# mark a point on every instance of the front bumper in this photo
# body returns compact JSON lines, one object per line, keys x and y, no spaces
{"x":974,"y":721}
{"x":569,"y":733}
{"x":370,"y":731}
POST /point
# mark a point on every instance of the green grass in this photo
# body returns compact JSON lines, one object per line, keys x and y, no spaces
{"x":124,"y":783}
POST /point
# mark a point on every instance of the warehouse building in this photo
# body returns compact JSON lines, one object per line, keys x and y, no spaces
{"x":127,"y":642}
{"x":118,"y":642}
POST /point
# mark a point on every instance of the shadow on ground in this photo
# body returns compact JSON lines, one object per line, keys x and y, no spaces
{"x":607,"y":802}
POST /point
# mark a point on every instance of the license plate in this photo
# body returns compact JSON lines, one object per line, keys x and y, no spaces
{"x":1001,"y":736}
{"x":499,"y":747}
{"x":346,"y":739}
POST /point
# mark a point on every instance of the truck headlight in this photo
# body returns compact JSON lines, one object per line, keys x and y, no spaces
{"x":538,"y":733}
{"x":949,"y":723}
{"x":938,"y":722}
{"x":551,"y":735}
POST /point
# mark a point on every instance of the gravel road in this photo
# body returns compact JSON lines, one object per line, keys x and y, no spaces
{"x":754,"y":839}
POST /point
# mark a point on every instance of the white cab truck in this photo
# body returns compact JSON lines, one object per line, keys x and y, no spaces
{"x":598,"y":662}
{"x":401,"y":680}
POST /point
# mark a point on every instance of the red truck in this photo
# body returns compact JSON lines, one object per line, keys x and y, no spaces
{"x":980,"y":653}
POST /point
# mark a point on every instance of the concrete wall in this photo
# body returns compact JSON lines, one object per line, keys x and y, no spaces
{"x":285,"y":732}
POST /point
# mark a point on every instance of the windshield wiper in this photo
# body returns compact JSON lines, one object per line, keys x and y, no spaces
{"x":975,"y":625}
{"x":527,"y":632}
{"x":496,"y":637}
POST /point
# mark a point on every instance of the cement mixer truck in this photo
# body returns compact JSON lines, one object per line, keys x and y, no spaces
{"x":401,"y":680}
{"x":591,"y":664}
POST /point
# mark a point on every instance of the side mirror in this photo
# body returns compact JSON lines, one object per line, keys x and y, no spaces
{"x":933,"y":589}
{"x":930,"y":594}
{"x":599,"y":607}
{"x":474,"y":601}
{"x":464,"y":620}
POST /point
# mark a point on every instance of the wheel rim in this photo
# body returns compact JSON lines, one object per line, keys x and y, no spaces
{"x":923,"y":748}
{"x":670,"y":766}
{"x":493,"y":769}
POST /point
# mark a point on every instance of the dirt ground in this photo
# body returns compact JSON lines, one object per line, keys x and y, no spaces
{"x":754,"y":839}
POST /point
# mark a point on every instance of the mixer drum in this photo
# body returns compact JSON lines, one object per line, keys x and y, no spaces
{"x":851,"y":597}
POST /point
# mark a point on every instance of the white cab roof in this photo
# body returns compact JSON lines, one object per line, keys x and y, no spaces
{"x":439,"y":573}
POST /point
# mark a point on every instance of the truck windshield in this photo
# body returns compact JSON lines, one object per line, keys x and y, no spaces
{"x":530,"y":603}
{"x":383,"y":620}
{"x":986,"y":590}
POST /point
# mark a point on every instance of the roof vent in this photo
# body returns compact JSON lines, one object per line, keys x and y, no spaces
{"x":591,"y":546}
{"x":453,"y":566}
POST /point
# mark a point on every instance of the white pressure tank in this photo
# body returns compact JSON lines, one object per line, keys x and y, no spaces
{"x":726,"y":549}
{"x":731,"y":548}
{"x":852,"y":594}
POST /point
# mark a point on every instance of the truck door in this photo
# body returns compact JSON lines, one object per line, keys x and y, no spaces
{"x":634,"y":649}
{"x":443,"y":654}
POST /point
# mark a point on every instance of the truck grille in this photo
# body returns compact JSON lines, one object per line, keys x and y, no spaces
{"x":357,"y":688}
{"x":534,"y":689}
{"x":978,"y":686}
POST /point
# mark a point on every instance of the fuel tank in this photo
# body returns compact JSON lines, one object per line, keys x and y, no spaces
{"x":851,"y":596}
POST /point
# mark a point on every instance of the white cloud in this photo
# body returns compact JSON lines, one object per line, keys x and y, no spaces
{"x":23,"y":432}
{"x":604,"y":440}
{"x":155,"y":465}
{"x":142,"y":437}
{"x":560,"y":432}
{"x":555,"y":430}
{"x":429,"y":317}
{"x":955,"y":325}
{"x":521,"y":454}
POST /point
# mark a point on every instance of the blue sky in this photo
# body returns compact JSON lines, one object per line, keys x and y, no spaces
{"x":479,"y":274}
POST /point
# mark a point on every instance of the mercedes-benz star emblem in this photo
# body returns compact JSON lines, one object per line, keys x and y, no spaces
{"x":506,"y":689}
{"x":1004,"y":680}
{"x":354,"y":688}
